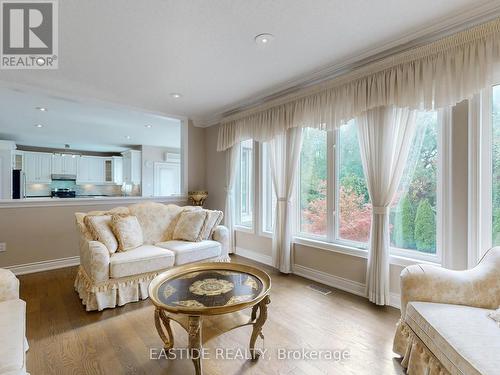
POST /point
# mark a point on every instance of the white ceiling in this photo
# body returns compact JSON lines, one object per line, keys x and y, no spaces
{"x":86,"y":125}
{"x":136,"y":53}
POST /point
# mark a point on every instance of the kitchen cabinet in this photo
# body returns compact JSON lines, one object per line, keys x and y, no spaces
{"x":38,"y":167}
{"x":132,"y":167}
{"x":91,"y":170}
{"x":64,"y":164}
{"x":117,"y":169}
{"x":18,"y":160}
{"x":100,"y":170}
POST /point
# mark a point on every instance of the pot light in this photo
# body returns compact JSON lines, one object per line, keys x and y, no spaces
{"x":38,"y":126}
{"x":128,"y":137}
{"x":148,"y":126}
{"x":264,"y":39}
{"x":42,"y":109}
{"x":176,"y":95}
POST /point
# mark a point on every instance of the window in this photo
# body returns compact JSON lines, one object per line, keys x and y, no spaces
{"x":268,"y":195}
{"x":495,"y":165}
{"x":353,"y":201}
{"x":413,"y":212}
{"x":244,"y":186}
{"x":313,"y":175}
{"x":333,"y":203}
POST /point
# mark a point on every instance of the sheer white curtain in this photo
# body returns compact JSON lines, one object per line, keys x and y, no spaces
{"x":385,"y":135}
{"x":284,"y":155}
{"x":232,"y":164}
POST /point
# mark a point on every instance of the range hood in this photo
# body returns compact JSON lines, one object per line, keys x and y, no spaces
{"x":63,"y":177}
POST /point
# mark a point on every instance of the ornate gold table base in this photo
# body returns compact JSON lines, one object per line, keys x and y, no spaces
{"x":193,"y":327}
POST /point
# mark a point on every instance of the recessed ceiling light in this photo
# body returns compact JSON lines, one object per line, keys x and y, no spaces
{"x":148,"y":126}
{"x":38,"y":126}
{"x":128,"y":137}
{"x":43,"y":109}
{"x":176,"y":95}
{"x":264,"y":39}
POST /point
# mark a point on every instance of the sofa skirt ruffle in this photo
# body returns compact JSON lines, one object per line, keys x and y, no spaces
{"x":118,"y":292}
{"x":417,"y":359}
{"x":112,"y":293}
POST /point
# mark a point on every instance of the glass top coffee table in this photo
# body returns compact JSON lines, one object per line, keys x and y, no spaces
{"x":188,"y":293}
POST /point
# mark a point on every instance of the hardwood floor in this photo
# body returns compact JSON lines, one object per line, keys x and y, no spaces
{"x":65,"y":339}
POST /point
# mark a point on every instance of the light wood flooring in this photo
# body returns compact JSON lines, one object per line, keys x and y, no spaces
{"x":65,"y":339}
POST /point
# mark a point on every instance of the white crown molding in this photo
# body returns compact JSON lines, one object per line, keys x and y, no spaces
{"x":428,"y":33}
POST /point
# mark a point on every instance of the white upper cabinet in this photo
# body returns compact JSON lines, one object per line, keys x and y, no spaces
{"x":38,"y":167}
{"x":64,"y":164}
{"x":132,"y":167}
{"x":117,"y":169}
{"x":91,"y":170}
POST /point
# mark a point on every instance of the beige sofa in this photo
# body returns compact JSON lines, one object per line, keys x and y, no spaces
{"x":106,"y":280}
{"x":13,"y":343}
{"x":445,"y":327}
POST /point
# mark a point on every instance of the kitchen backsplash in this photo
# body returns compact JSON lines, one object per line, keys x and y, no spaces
{"x":43,"y":190}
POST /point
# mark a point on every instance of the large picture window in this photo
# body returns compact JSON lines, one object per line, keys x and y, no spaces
{"x":495,"y":164}
{"x":245,"y":185}
{"x":353,"y":202}
{"x":332,"y":200}
{"x":413,"y":212}
{"x":313,"y":175}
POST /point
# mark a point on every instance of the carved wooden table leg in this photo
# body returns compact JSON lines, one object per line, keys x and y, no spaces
{"x":168,"y":339}
{"x":194,"y":332}
{"x":259,"y":323}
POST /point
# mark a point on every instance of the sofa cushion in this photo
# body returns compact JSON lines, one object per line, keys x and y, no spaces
{"x":100,"y":228}
{"x":190,"y":225}
{"x":155,"y":219}
{"x":463,"y":338}
{"x":128,"y":232}
{"x":188,"y":252}
{"x":143,"y":259}
{"x":12,"y":336}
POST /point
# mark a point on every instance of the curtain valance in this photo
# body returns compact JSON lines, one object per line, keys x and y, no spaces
{"x":433,"y":76}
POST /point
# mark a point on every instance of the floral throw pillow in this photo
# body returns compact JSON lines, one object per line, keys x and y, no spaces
{"x":128,"y":232}
{"x":189,"y":226}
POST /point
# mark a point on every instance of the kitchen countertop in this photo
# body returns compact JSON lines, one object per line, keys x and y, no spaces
{"x":84,"y":201}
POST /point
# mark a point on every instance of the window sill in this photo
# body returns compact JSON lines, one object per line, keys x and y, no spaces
{"x":397,"y":260}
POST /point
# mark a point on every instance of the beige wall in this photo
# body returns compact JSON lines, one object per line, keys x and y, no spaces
{"x":35,"y":234}
{"x":196,"y":158}
{"x":215,"y":166}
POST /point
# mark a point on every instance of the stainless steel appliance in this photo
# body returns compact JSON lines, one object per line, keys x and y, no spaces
{"x":63,"y":193}
{"x":63,"y":177}
{"x":18,"y":184}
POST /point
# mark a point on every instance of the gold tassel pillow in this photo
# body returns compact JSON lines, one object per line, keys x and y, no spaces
{"x":128,"y":232}
{"x":189,"y":226}
{"x":100,"y":228}
{"x":213,"y":219}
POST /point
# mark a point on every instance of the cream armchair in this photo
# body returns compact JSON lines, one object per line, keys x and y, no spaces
{"x":443,"y":312}
{"x":12,"y":326}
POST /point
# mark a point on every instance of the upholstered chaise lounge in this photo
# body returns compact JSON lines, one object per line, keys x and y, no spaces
{"x":13,"y":343}
{"x":445,"y":325}
{"x":106,"y":279}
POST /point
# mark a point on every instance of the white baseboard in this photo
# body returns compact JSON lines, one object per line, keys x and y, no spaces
{"x":395,"y":300}
{"x":254,"y":255}
{"x":331,"y":280}
{"x":45,"y":265}
{"x":337,"y":282}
